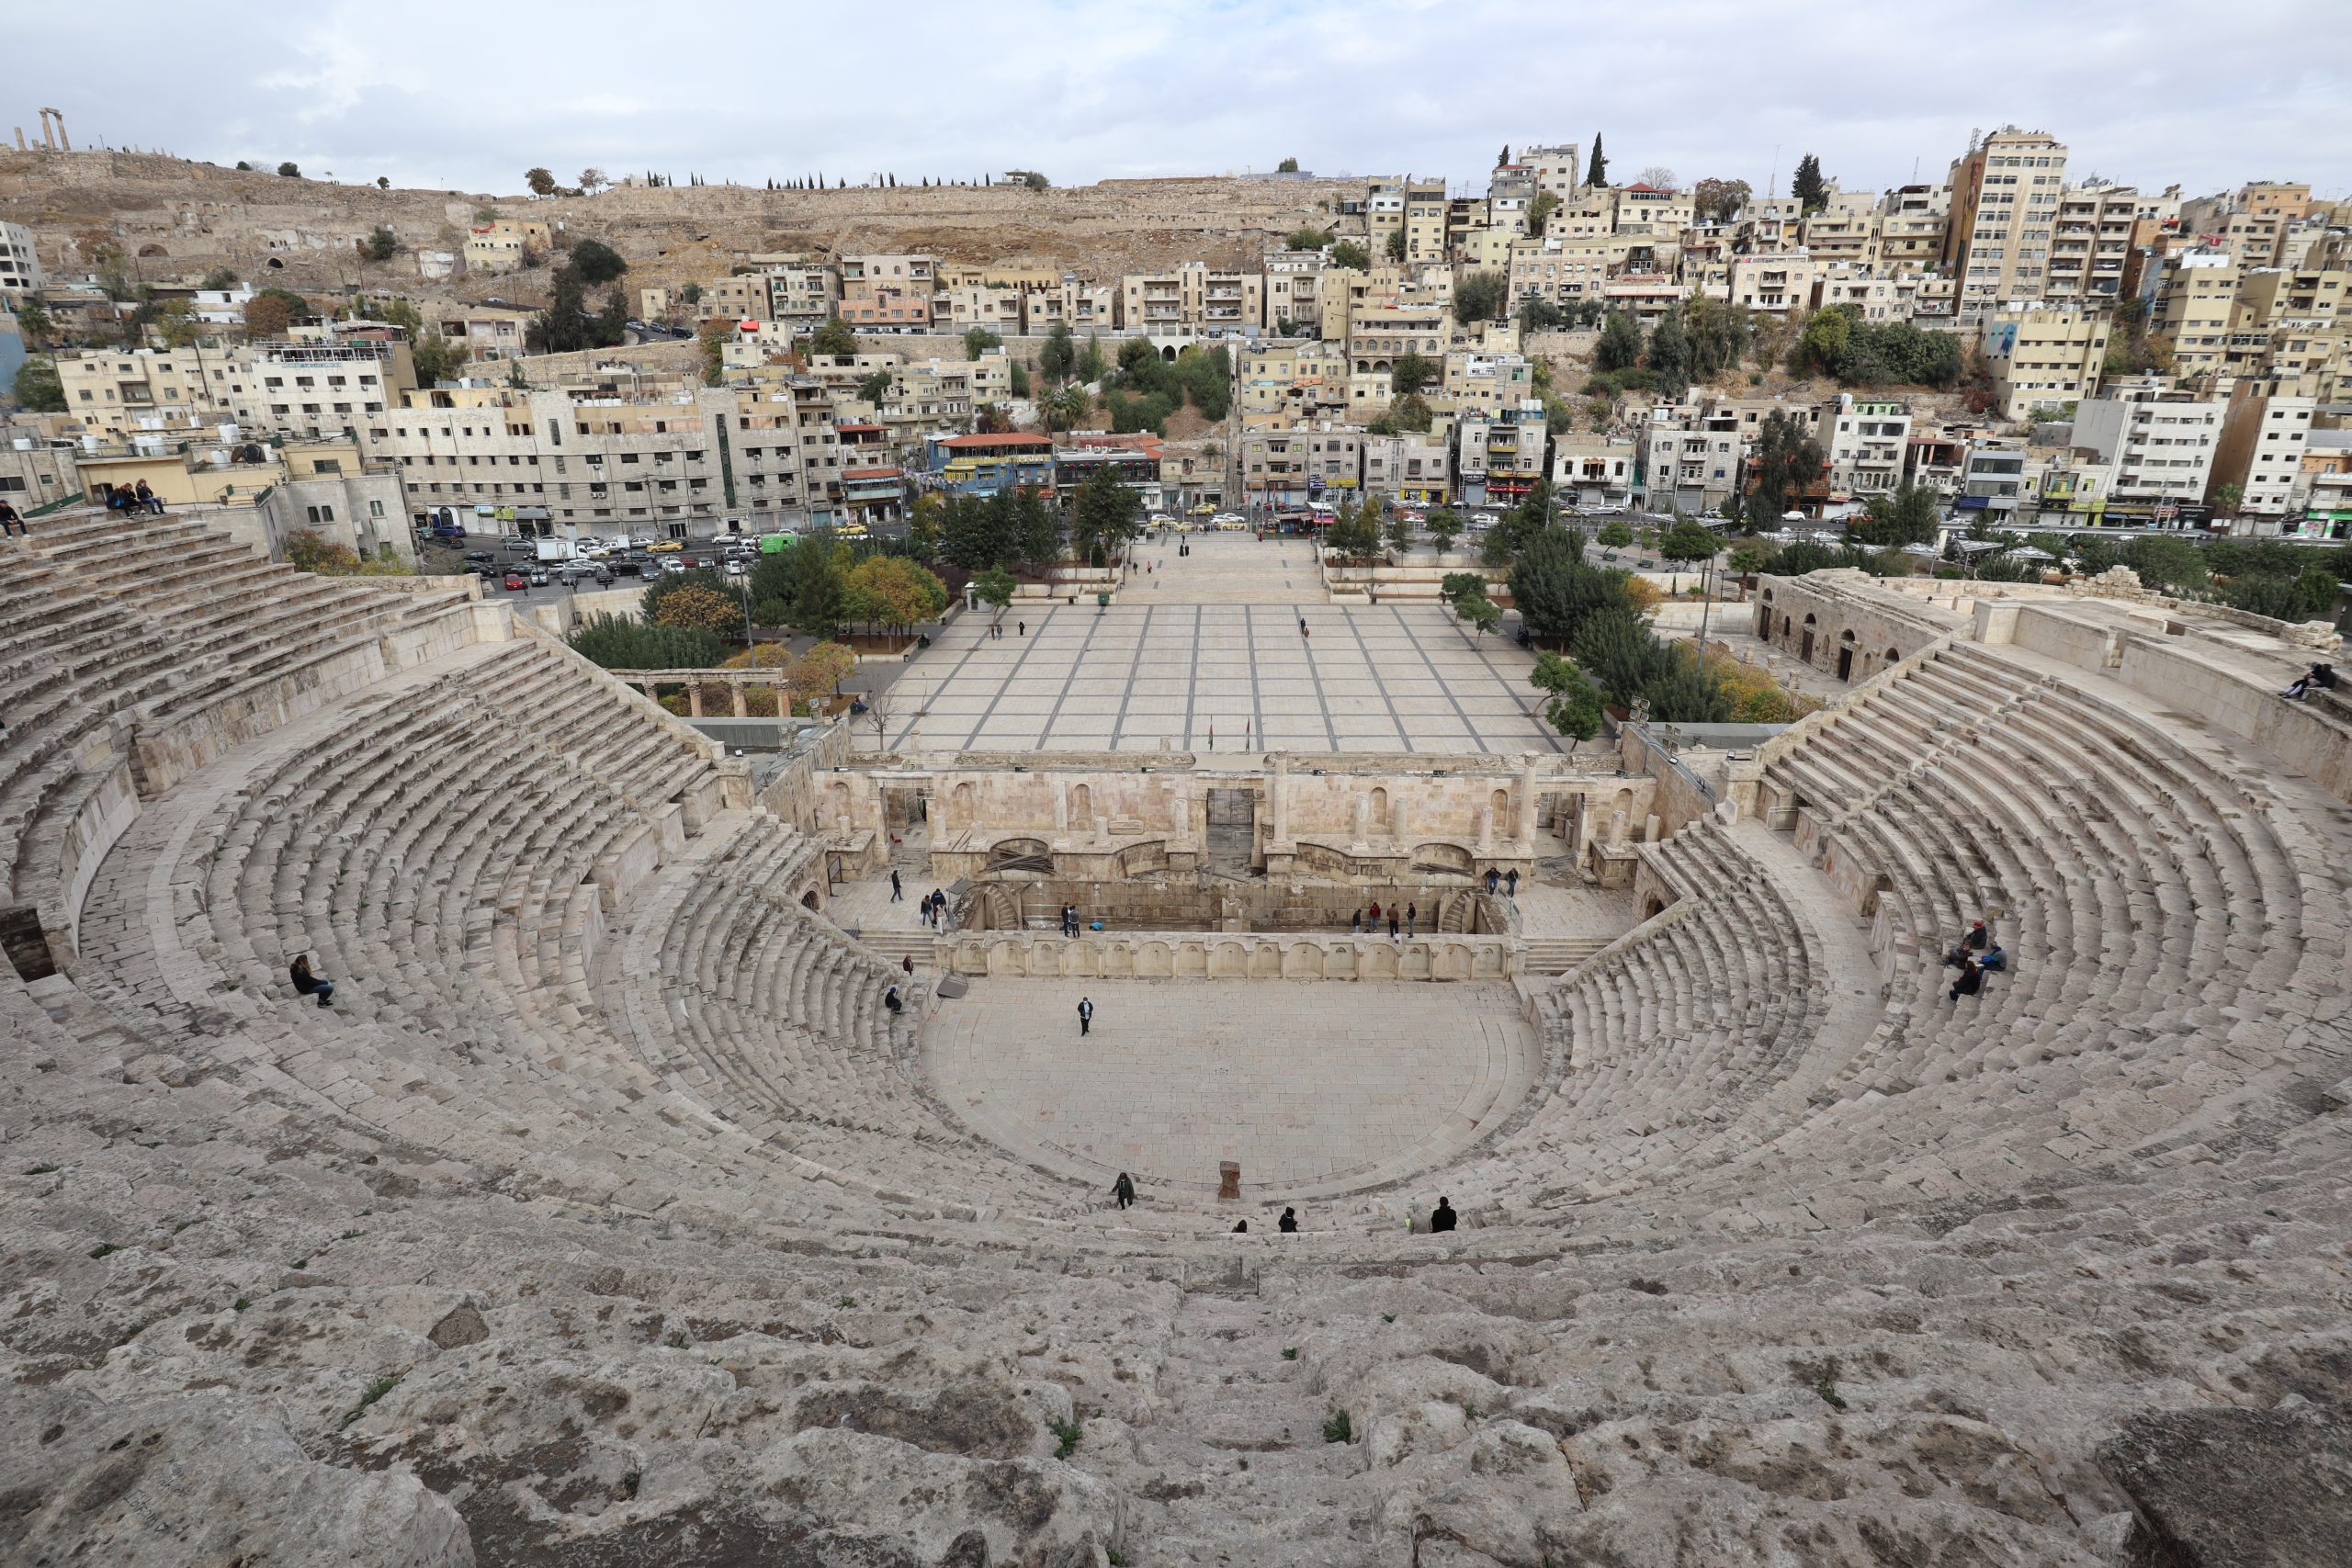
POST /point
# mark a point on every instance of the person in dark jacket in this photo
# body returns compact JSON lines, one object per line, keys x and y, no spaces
{"x":309,"y":985}
{"x":1241,"y":1227}
{"x":1977,"y":939}
{"x":1123,"y":1190}
{"x":890,"y":999}
{"x":1971,"y":979}
{"x":2322,"y":676}
{"x":1288,"y":1223}
{"x":1441,"y":1217}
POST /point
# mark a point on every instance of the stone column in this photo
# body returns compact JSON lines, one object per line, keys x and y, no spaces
{"x":1484,"y":815}
{"x":1363,"y":826}
{"x":1061,"y":805}
{"x":694,"y":698}
{"x":735,"y":690}
{"x":1274,"y":803}
{"x":1528,"y":813}
{"x":1397,"y":814}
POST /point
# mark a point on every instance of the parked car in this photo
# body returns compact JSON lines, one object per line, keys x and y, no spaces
{"x":671,"y":563}
{"x":539,"y":576}
{"x":514,"y":584}
{"x":736,"y":568}
{"x":625,"y":566}
{"x":666,"y":546}
{"x":479,"y":556}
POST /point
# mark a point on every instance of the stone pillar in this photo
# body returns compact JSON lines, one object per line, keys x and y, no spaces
{"x":1274,"y":802}
{"x":735,"y":690}
{"x":1397,"y":814}
{"x":1061,"y":805}
{"x":694,"y":698}
{"x":1485,"y":816}
{"x":1527,"y":813}
{"x":1362,"y":826}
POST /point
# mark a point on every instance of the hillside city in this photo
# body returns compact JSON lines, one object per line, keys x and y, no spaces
{"x":2020,"y":344}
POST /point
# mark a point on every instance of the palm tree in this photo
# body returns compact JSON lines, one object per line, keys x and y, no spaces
{"x":1064,"y":408}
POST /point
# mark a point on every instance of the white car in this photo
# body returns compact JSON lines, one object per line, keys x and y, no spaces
{"x":671,"y":563}
{"x":1603,"y":508}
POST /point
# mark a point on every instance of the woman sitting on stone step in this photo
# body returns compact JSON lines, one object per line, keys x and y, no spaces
{"x":309,"y":985}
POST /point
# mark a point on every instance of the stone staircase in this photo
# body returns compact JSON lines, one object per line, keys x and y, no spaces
{"x":1558,"y":954}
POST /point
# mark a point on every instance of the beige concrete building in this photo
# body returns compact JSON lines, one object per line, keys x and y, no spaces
{"x":116,"y":392}
{"x":1379,"y":335}
{"x":487,"y":332}
{"x":1913,"y":220}
{"x":1283,"y":386}
{"x":1192,"y":298}
{"x":1642,"y":209}
{"x":1412,"y":468}
{"x":1293,"y":292}
{"x":1871,"y":296}
{"x":2042,"y":356}
{"x":1425,"y":221}
{"x":1773,"y":284}
{"x":975,"y":305}
{"x":2005,"y":197}
{"x":1867,"y":441}
{"x":2192,"y":308}
{"x":2090,"y":242}
{"x":2161,"y":442}
{"x":503,"y":244}
{"x":20,"y":270}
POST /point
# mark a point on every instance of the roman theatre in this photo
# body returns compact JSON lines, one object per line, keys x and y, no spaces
{"x":613,"y":1213}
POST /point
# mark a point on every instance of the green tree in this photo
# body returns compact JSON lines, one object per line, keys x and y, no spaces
{"x":1397,"y":244}
{"x":563,"y":326}
{"x":289,"y":170}
{"x":1029,"y":177}
{"x":1064,"y":408}
{"x":1537,"y":314}
{"x":596,"y":261}
{"x":1481,"y":297}
{"x":709,"y":609}
{"x":1400,"y":533}
{"x":1057,"y":355}
{"x":1670,"y":355}
{"x":1540,"y":210}
{"x":33,"y":321}
{"x":1353,"y":256}
{"x":1555,"y":590}
{"x":1822,"y":347}
{"x":1307,"y":239}
{"x":835,"y":337}
{"x":1719,"y":201}
{"x":2229,"y":498}
{"x":1810,"y":189}
{"x":874,"y":389}
{"x":1093,"y":364}
{"x":1574,"y":704}
{"x":1596,"y":174}
{"x":1689,"y":541}
{"x":1621,"y":343}
{"x":1615,"y":535}
{"x":1445,"y":526}
{"x":1017,"y":379}
{"x":979,"y":341}
{"x":621,"y":642}
{"x":1788,"y":462}
{"x":1904,"y":516}
{"x":1104,"y":516}
{"x":1479,"y":611}
{"x":218,"y":278}
{"x":690,"y":294}
{"x":2170,"y":565}
{"x":1288,"y":167}
{"x":271,"y":311}
{"x":1719,"y":334}
{"x":1354,"y":533}
{"x":541,"y":182}
{"x":1037,"y":530}
{"x":995,"y":587}
{"x":381,"y":244}
{"x":1412,"y":373}
{"x":37,"y":386}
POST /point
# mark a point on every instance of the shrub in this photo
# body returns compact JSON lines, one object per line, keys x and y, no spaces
{"x":1338,"y":1429}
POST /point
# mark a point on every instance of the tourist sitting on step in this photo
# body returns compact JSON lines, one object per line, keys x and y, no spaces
{"x":1996,"y":960}
{"x":890,"y":999}
{"x":1972,"y":979}
{"x":309,"y":985}
{"x":1441,"y":1217}
{"x":1288,"y":1223}
{"x":1976,"y":941}
{"x":2321,"y":675}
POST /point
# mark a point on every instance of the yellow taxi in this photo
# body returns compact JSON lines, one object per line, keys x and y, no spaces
{"x":666,"y":546}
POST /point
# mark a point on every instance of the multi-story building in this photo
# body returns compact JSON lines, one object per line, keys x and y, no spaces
{"x":2260,"y":451}
{"x":115,"y":392}
{"x":1911,"y":227}
{"x":1689,"y":460}
{"x":1557,"y":269}
{"x":1485,"y":383}
{"x":1592,"y":470}
{"x":21,"y":271}
{"x":983,"y":464}
{"x":1498,"y":458}
{"x":1867,"y":441}
{"x":1873,"y":297}
{"x":1553,"y":168}
{"x":739,"y":297}
{"x":1085,"y":308}
{"x":593,"y":458}
{"x":1412,"y":468}
{"x":1995,"y":482}
{"x":334,"y":388}
{"x":1383,"y":213}
{"x":504,"y":244}
{"x":1425,"y":221}
{"x":2161,"y":444}
{"x":2090,"y":242}
{"x":487,"y":332}
{"x":1293,"y":303}
{"x":1193,"y":299}
{"x":977,"y":305}
{"x":802,"y":293}
{"x":2193,"y":302}
{"x":2042,"y":356}
{"x":1283,"y":386}
{"x":1773,"y":284}
{"x":2285,"y":324}
{"x":2005,"y":195}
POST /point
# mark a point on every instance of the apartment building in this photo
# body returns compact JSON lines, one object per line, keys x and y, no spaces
{"x":2161,"y":444}
{"x":503,"y":244}
{"x":1592,"y":470}
{"x":1086,"y":308}
{"x":984,"y":464}
{"x":21,"y":271}
{"x":2005,"y":197}
{"x":1651,"y":210}
{"x":1383,"y":213}
{"x":738,"y":297}
{"x":1844,"y":233}
{"x":1871,"y":296}
{"x":2042,"y":356}
{"x":1412,"y":469}
{"x":1379,"y":335}
{"x":1485,"y":383}
{"x":1773,"y":284}
{"x":2282,"y":321}
{"x":1912,"y":221}
{"x":2192,"y":308}
{"x":115,"y":392}
{"x":2090,"y":242}
{"x":1553,"y":168}
{"x":802,"y":293}
{"x":2275,"y":197}
{"x":1426,"y":214}
{"x":1995,"y":480}
{"x":595,"y":458}
{"x":977,"y":305}
{"x":1689,"y":460}
{"x":1193,"y":299}
{"x":2263,"y":442}
{"x":487,"y":332}
{"x":1867,"y":441}
{"x":1275,"y":465}
{"x":1498,"y":457}
{"x":1283,"y":386}
{"x":1293,"y":301}
{"x":332,"y":387}
{"x":1557,"y":268}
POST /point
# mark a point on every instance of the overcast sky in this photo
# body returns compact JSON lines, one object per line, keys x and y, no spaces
{"x":468,"y":96}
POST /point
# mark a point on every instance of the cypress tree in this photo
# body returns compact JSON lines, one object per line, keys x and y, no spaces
{"x":1597,"y":173}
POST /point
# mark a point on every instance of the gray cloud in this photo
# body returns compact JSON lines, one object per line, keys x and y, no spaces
{"x":469,"y":96}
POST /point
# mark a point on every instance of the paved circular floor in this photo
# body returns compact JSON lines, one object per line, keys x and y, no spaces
{"x":1316,"y":1087}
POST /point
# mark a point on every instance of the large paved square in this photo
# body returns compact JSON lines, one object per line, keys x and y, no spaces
{"x":1206,"y":653}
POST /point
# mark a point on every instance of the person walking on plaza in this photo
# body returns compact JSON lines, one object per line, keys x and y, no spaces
{"x":1085,"y":1015}
{"x":1021,"y":627}
{"x":1441,"y":1217}
{"x":896,"y":894}
{"x":1512,"y":881}
{"x":309,"y":985}
{"x":1123,"y":1190}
